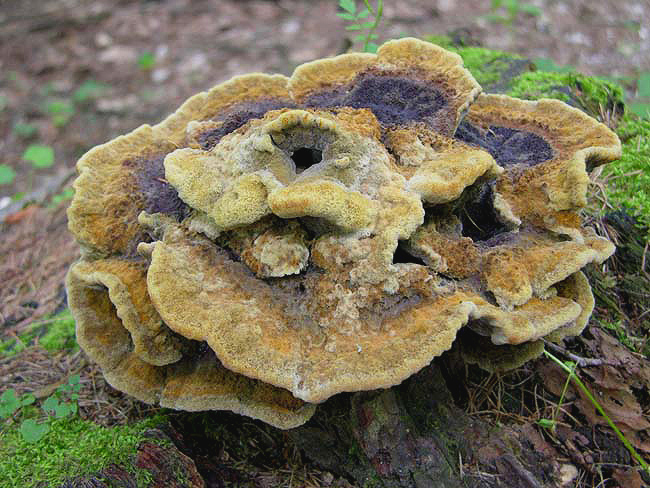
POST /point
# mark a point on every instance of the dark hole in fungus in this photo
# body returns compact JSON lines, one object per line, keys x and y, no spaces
{"x":305,"y":157}
{"x":395,"y":100}
{"x":478,"y":215}
{"x":507,"y":146}
{"x":401,"y":255}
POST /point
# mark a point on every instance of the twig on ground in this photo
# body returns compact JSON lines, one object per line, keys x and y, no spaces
{"x":580,"y":361}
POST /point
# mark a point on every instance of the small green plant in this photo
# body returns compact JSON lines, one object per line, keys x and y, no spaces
{"x":64,"y":400}
{"x":146,"y":61}
{"x":60,"y":112}
{"x":634,"y":344}
{"x":9,"y":402}
{"x":24,"y":130}
{"x":507,"y":11}
{"x":551,"y":423}
{"x":62,"y":403}
{"x":569,"y":367}
{"x":7,"y":174}
{"x":88,"y":90}
{"x":65,"y":195}
{"x":39,"y":156}
{"x":358,"y":22}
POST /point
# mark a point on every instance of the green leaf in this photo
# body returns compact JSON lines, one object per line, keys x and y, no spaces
{"x":9,"y":403}
{"x":363,"y":14}
{"x":530,"y":9}
{"x":146,"y":61}
{"x":371,"y":47}
{"x":33,"y":431}
{"x":359,"y":38}
{"x":346,"y":16}
{"x":348,"y":5}
{"x":27,"y":399}
{"x":367,"y":25}
{"x":495,"y":18}
{"x":50,"y":404}
{"x":7,"y":174}
{"x":39,"y":156}
{"x":62,"y":410}
{"x":353,"y":27}
{"x":546,"y":423}
{"x":59,"y":107}
{"x":88,"y":90}
{"x":66,"y":194}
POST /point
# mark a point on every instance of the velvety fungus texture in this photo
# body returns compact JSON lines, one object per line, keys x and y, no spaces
{"x":279,"y":240}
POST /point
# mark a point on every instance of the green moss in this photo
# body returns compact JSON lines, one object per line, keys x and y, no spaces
{"x":628,"y":180}
{"x":592,"y":94}
{"x":54,"y":334}
{"x":488,"y":66}
{"x":73,"y":447}
{"x":60,"y":333}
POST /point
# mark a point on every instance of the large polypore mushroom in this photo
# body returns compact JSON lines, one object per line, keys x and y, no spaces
{"x":279,"y":240}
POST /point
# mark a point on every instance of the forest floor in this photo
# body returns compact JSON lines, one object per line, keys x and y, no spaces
{"x":75,"y":73}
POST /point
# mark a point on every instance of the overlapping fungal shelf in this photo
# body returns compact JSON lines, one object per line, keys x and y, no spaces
{"x":276,"y":240}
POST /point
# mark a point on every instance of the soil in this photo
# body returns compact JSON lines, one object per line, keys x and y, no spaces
{"x":139,"y":60}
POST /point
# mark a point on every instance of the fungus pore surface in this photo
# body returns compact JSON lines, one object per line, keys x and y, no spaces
{"x":277,"y":240}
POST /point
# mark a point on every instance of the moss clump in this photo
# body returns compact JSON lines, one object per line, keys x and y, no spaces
{"x":54,"y":334}
{"x":60,"y":333}
{"x":592,"y":94}
{"x":629,"y":178}
{"x":488,"y":66}
{"x":73,"y":447}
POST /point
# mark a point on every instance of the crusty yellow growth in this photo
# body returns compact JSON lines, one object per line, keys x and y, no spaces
{"x":443,"y":177}
{"x":152,"y":341}
{"x":533,"y":263}
{"x":348,"y":210}
{"x":408,"y":58}
{"x":103,"y":214}
{"x":208,"y":105}
{"x":545,"y":193}
{"x":279,"y":240}
{"x":106,"y":298}
{"x":323,"y":74}
{"x":244,"y":321}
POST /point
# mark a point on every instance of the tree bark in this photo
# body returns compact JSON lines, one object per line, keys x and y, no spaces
{"x":413,"y":436}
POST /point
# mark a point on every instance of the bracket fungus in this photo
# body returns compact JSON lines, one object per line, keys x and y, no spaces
{"x":279,"y":240}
